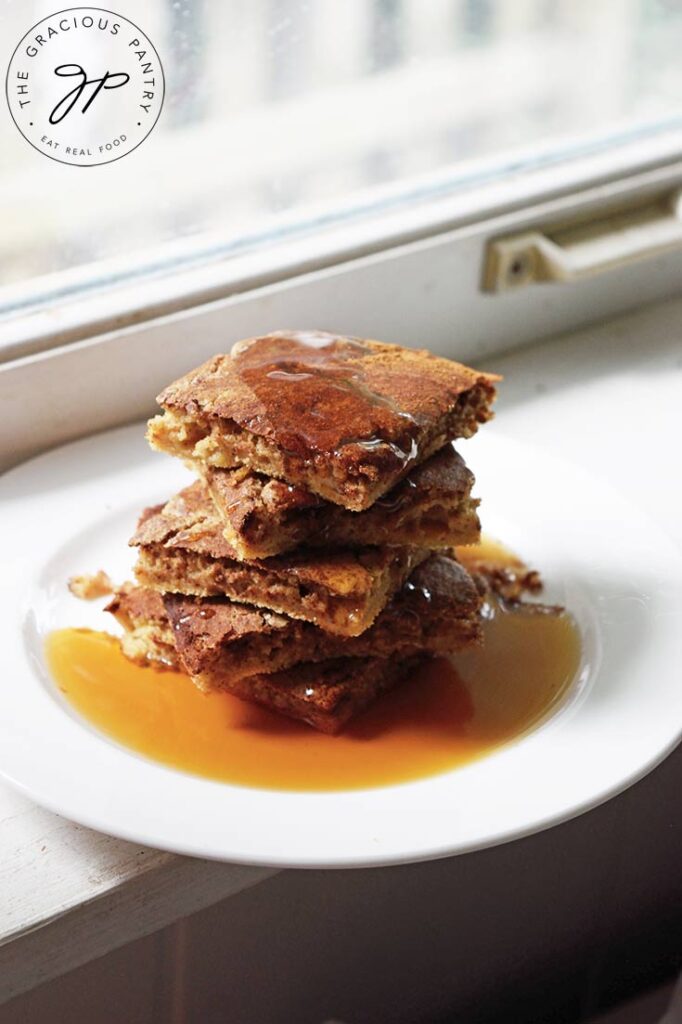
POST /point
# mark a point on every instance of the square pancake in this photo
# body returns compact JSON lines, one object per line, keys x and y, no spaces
{"x":217,"y":641}
{"x":431,"y":508}
{"x":182,"y":549}
{"x":326,"y":694}
{"x":341,"y":417}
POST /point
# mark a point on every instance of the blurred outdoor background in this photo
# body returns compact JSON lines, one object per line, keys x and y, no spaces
{"x":281,"y":115}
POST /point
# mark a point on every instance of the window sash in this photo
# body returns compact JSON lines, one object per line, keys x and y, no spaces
{"x":80,"y":303}
{"x":426,"y":291}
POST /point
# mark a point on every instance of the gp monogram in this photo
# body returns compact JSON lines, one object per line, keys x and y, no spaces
{"x":85,"y":86}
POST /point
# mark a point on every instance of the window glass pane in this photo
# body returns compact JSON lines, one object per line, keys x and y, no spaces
{"x":284,"y":115}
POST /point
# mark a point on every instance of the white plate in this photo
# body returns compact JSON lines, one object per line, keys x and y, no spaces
{"x":72,"y":510}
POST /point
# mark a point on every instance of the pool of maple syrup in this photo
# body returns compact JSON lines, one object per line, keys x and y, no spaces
{"x":452,"y":711}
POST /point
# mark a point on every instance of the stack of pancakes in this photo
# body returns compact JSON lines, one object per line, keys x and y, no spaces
{"x":310,"y":566}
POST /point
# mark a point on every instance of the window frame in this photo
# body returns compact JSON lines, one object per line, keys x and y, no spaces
{"x":86,"y":302}
{"x":413,"y":277}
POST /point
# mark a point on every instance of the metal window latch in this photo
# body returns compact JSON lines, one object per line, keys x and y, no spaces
{"x":570,"y":252}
